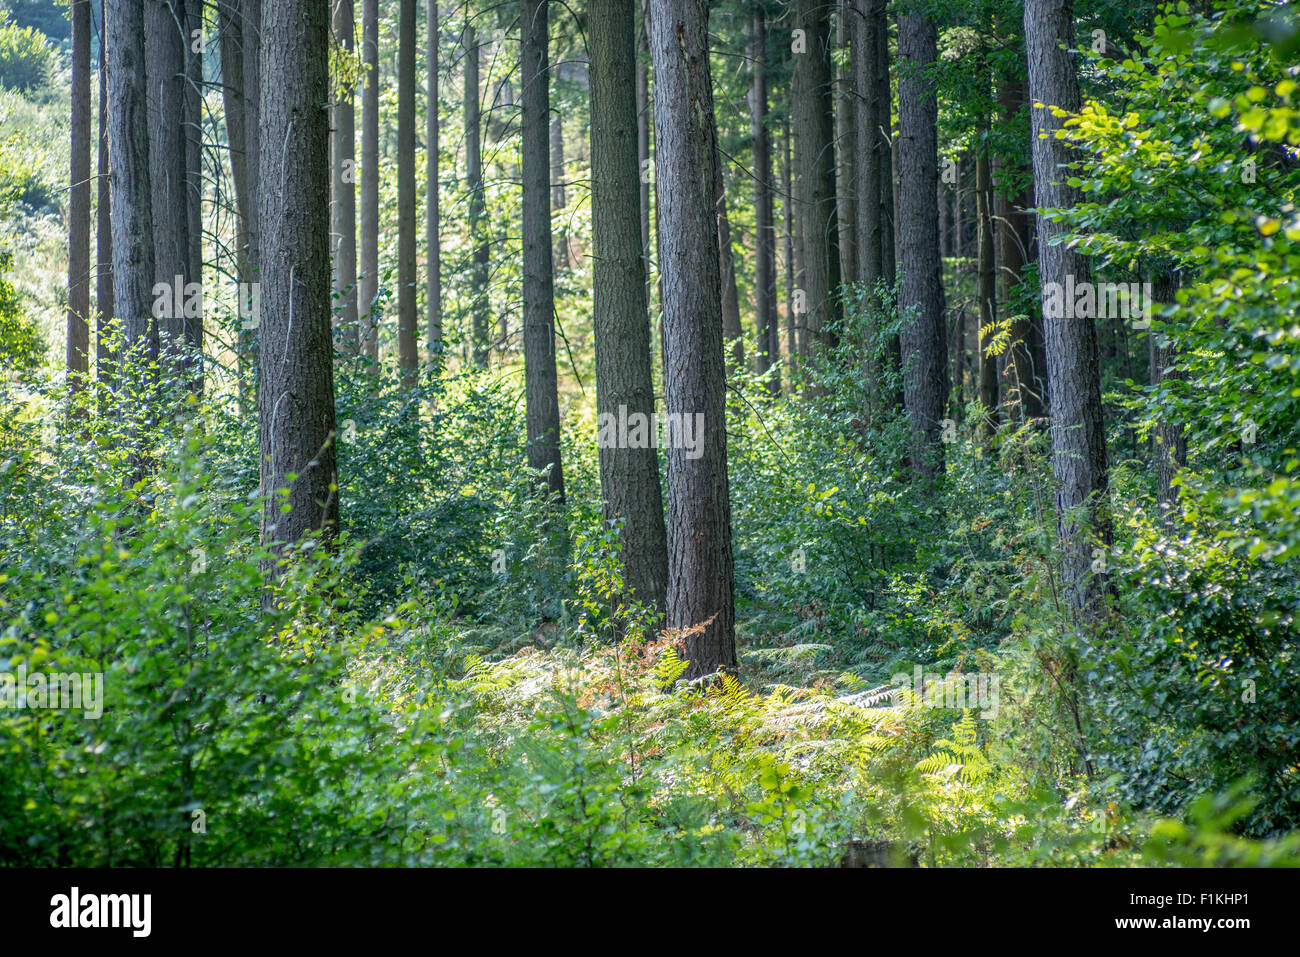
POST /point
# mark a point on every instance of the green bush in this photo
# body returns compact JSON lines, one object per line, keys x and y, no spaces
{"x":26,"y":58}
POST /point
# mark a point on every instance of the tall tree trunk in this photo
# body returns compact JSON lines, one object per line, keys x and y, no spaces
{"x":474,"y":183}
{"x":252,"y":99}
{"x":166,"y":47}
{"x":629,"y":477}
{"x":103,"y":225}
{"x":433,"y":189}
{"x":768,"y":340}
{"x":700,"y":570}
{"x":345,"y":189}
{"x":408,"y":349}
{"x":643,"y":110}
{"x":368,"y":282}
{"x":791,"y":242}
{"x":128,"y":133}
{"x":923,"y":340}
{"x":814,"y":149}
{"x":846,"y":182}
{"x":193,"y":118}
{"x":1017,"y":248}
{"x":1073,"y":377}
{"x":78,"y":315}
{"x":732,"y":332}
{"x":541,"y":392}
{"x":296,"y":398}
{"x":230,"y":25}
{"x":987,"y":294}
{"x":887,"y":147}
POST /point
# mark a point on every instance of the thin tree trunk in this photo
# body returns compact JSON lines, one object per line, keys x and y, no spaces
{"x":924,"y":349}
{"x":791,"y":241}
{"x":541,"y":392}
{"x":1169,"y":441}
{"x":732,"y":332}
{"x":433,"y":189}
{"x":846,"y":185}
{"x":562,"y":260}
{"x":987,"y":294}
{"x":78,"y":314}
{"x":765,"y":314}
{"x":104,"y":225}
{"x":643,"y":111}
{"x":368,"y":281}
{"x":296,"y":398}
{"x":629,"y":477}
{"x":345,"y":189}
{"x":408,"y":349}
{"x":1079,"y":457}
{"x":474,"y":183}
{"x":700,"y":570}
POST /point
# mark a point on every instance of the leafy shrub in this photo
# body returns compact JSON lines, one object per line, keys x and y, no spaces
{"x":26,"y":58}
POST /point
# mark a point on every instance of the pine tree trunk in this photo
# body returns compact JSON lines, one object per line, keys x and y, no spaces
{"x":644,"y":109}
{"x":345,"y":189}
{"x":987,"y":293}
{"x":557,"y":188}
{"x":133,"y":245}
{"x":768,"y":340}
{"x":296,"y":398}
{"x":541,"y":392}
{"x":78,"y":313}
{"x":477,"y":212}
{"x":732,"y":332}
{"x":629,"y":477}
{"x":814,"y":148}
{"x":433,"y":190}
{"x":193,"y":133}
{"x":1073,"y":376}
{"x":103,"y":225}
{"x":846,"y":184}
{"x":923,"y":339}
{"x":368,"y":281}
{"x":166,"y":47}
{"x":408,"y":349}
{"x":700,"y":570}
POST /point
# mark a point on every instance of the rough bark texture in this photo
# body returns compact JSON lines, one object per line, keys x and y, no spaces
{"x":368,"y":282}
{"x":128,"y":131}
{"x":103,"y":226}
{"x":629,"y":478}
{"x":768,"y":339}
{"x":814,"y":159}
{"x":345,"y":187}
{"x":408,"y":350}
{"x":923,"y":339}
{"x":846,"y":181}
{"x":1073,"y":378}
{"x":433,"y":190}
{"x":296,"y":399}
{"x":643,"y":111}
{"x":791,"y":242}
{"x":193,"y":118}
{"x":477,"y":209}
{"x":540,"y":388}
{"x":166,"y":48}
{"x":78,"y":313}
{"x":700,"y":570}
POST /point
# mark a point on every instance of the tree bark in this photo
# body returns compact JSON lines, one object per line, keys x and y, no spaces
{"x":296,"y":398}
{"x":700,"y":571}
{"x":768,"y":342}
{"x":345,"y":189}
{"x":1079,"y":458}
{"x":78,"y":313}
{"x":988,"y":363}
{"x":133,"y":244}
{"x":732,"y":332}
{"x":923,"y":339}
{"x":104,"y":226}
{"x":433,"y":190}
{"x":846,"y":183}
{"x":629,"y":477}
{"x":541,"y":391}
{"x":814,"y":149}
{"x":368,"y":282}
{"x":477,"y":211}
{"x":408,"y":349}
